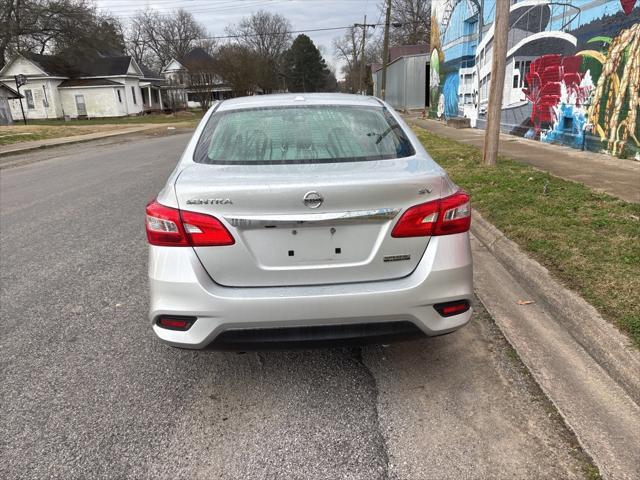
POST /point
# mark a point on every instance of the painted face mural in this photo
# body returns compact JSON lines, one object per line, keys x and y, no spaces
{"x":572,"y":69}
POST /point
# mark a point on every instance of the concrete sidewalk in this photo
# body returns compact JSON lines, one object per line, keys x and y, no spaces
{"x":588,"y":369}
{"x":23,"y":147}
{"x":602,"y":173}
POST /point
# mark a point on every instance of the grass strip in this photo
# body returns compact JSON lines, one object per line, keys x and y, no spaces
{"x":194,"y":116}
{"x":588,"y":240}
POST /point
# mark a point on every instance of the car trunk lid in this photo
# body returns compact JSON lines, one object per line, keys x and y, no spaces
{"x":341,"y":234}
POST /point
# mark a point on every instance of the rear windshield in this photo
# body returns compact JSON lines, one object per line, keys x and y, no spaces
{"x":302,"y":134}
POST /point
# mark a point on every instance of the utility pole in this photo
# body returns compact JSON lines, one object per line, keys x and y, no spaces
{"x":364,"y":26}
{"x":21,"y":80}
{"x":494,"y":109}
{"x":385,"y":51}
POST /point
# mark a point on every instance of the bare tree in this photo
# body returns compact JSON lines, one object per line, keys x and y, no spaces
{"x":348,"y":50}
{"x":138,"y":45}
{"x":267,"y":35}
{"x":345,"y":49}
{"x":414,"y":20}
{"x":239,"y":66}
{"x":71,"y":27}
{"x":202,"y":76}
{"x":201,"y":84}
{"x":209,"y":45}
{"x":167,"y":36}
{"x":174,"y":97}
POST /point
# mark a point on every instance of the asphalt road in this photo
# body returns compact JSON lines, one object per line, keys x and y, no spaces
{"x":88,"y":392}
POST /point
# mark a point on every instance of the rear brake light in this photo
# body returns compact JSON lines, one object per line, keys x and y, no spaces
{"x":439,"y":217}
{"x":171,"y":227}
{"x":449,"y":309}
{"x":164,"y":227}
{"x":204,"y":230}
{"x":175,"y":322}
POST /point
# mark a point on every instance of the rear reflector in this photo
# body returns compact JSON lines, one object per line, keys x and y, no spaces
{"x":171,"y":227}
{"x":449,"y":309}
{"x":175,"y":322}
{"x":439,"y":217}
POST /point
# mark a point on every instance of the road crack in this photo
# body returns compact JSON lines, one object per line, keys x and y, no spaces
{"x":356,"y":355}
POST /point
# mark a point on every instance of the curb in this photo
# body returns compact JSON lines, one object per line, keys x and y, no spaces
{"x":585,"y":367}
{"x":611,"y":349}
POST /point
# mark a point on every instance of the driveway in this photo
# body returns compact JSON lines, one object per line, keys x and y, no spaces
{"x":88,"y":392}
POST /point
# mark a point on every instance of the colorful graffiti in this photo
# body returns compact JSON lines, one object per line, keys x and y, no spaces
{"x":558,"y":93}
{"x":572,"y":70}
{"x":612,"y":92}
{"x":553,"y":80}
{"x":450,"y":92}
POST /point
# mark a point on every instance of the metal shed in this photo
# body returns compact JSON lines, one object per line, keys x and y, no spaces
{"x":406,"y":82}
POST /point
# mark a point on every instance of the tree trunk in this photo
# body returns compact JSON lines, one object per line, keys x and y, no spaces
{"x":494,"y":109}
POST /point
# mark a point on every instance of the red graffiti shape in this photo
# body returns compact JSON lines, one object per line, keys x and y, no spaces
{"x":545,"y":78}
{"x":627,"y":5}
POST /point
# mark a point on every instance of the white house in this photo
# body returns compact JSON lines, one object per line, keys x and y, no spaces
{"x":112,"y":86}
{"x":193,"y":77}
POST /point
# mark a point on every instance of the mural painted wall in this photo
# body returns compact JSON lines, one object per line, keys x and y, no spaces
{"x":572,"y":70}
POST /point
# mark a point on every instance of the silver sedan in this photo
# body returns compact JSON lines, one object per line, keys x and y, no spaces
{"x":306,"y":218}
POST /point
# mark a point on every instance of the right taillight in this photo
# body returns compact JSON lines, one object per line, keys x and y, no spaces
{"x":439,"y":217}
{"x":171,"y":227}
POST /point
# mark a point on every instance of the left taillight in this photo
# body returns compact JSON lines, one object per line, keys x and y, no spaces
{"x":171,"y":227}
{"x":164,"y":227}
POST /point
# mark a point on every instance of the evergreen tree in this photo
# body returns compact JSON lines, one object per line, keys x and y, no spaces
{"x":304,"y":68}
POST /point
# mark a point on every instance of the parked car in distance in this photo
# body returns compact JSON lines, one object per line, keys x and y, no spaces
{"x":306,"y":218}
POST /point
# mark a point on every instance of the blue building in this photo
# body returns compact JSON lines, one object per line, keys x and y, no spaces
{"x":555,"y":56}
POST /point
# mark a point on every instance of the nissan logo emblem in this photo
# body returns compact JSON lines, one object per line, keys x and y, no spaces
{"x":312,"y":199}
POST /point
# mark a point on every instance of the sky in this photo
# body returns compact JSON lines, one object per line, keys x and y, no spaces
{"x":215,"y":15}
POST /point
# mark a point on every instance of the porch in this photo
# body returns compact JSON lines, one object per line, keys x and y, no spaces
{"x":151,"y":97}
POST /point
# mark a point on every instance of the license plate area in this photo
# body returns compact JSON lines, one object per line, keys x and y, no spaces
{"x":279,"y":247}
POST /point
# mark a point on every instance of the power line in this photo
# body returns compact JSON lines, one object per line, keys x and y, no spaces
{"x":225,"y":8}
{"x":128,"y":11}
{"x":287,"y":32}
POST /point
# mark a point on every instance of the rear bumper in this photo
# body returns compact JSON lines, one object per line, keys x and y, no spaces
{"x":179,"y":285}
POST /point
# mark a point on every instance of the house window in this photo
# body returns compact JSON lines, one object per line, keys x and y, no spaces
{"x":516,"y":75}
{"x":133,"y":94}
{"x":119,"y":95}
{"x":29,"y":96}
